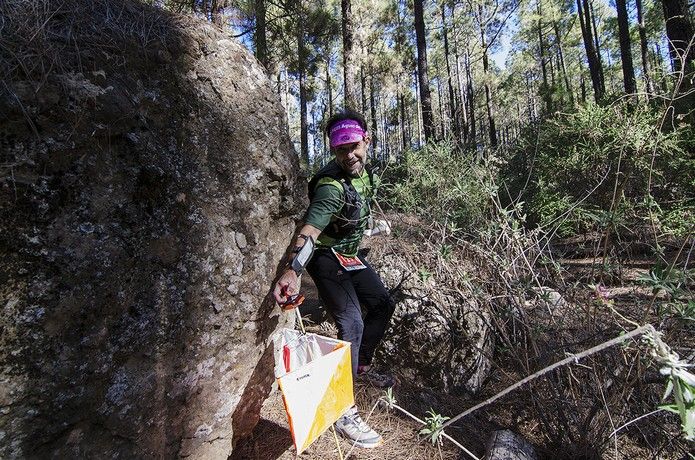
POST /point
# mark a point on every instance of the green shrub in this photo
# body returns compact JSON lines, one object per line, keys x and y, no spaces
{"x":572,"y":170}
{"x":440,"y":184}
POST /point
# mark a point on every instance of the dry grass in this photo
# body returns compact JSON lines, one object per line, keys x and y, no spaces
{"x":42,"y":37}
{"x":572,"y":411}
{"x":271,"y":439}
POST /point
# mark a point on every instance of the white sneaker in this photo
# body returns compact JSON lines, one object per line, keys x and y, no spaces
{"x":354,"y":429}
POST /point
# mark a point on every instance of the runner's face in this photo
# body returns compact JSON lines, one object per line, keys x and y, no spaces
{"x":352,"y":157}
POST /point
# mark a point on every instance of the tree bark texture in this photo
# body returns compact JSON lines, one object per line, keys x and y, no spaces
{"x":349,"y":70}
{"x":259,"y":34}
{"x":591,"y":55}
{"x":452,"y":100}
{"x":561,"y":55}
{"x":301,"y":70}
{"x":545,"y":89}
{"x":625,"y":49}
{"x":471,"y":102}
{"x":488,"y":91}
{"x":423,"y":78}
{"x":644,"y":49}
{"x":589,"y":10}
{"x":372,"y":107}
{"x":679,"y":29}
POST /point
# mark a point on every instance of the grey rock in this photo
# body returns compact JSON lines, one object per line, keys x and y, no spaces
{"x":130,"y":300}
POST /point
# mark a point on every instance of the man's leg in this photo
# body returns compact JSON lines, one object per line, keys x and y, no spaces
{"x":338,"y":294}
{"x":375,"y":298}
{"x":336,"y":289}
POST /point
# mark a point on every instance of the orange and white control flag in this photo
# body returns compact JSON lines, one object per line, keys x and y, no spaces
{"x":315,"y":376}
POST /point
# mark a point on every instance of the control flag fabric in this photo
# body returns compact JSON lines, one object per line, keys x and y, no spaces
{"x":315,"y":376}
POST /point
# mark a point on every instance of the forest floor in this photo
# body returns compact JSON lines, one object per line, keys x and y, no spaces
{"x":271,"y":438}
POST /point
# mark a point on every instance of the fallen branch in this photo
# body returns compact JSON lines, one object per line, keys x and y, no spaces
{"x":572,"y":358}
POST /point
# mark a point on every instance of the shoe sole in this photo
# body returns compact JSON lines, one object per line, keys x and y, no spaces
{"x":365,"y":446}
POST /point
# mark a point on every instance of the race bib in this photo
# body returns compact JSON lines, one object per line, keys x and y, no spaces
{"x":349,"y":263}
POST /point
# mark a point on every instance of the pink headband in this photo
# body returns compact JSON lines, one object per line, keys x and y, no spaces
{"x":346,"y":132}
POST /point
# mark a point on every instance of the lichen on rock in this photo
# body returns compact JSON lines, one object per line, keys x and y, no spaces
{"x":135,"y":257}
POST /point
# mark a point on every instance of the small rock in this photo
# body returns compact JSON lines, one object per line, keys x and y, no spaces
{"x":240,"y":240}
{"x":86,"y":227}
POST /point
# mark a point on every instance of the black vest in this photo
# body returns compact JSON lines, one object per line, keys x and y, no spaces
{"x":349,"y":216}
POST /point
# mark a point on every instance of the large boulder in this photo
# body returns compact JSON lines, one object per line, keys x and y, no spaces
{"x":147,"y":191}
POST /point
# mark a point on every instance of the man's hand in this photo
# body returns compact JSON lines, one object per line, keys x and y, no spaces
{"x":287,"y":285}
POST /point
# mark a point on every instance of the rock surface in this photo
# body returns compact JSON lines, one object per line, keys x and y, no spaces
{"x":507,"y":445}
{"x":147,"y":190}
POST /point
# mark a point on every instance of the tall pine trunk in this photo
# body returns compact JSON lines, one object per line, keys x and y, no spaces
{"x":363,"y":89}
{"x":471,"y":102}
{"x":301,"y":70}
{"x":592,"y":57}
{"x":644,"y":49}
{"x":423,"y":78}
{"x":679,"y":29}
{"x":349,"y":64}
{"x":589,"y":4}
{"x":329,"y":85}
{"x":452,"y":100}
{"x":561,"y":55}
{"x":625,"y":49}
{"x":488,"y":91}
{"x":259,"y":34}
{"x":545,"y":89}
{"x":372,"y":106}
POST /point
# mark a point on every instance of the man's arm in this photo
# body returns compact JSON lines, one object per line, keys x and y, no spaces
{"x":288,"y":283}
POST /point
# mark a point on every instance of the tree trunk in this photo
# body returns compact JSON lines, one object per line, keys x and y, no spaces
{"x":363,"y":89}
{"x":452,"y":101}
{"x":349,"y":65}
{"x":488,"y":91}
{"x":592,"y":58}
{"x":471,"y":102}
{"x":301,"y":70}
{"x":625,"y":49}
{"x":679,"y":29}
{"x":561,"y":54}
{"x":545,"y":89}
{"x":418,"y":109}
{"x":649,"y":86}
{"x":372,"y":105}
{"x":529,"y":101}
{"x":442,"y":128}
{"x":402,"y":123}
{"x":423,"y":78}
{"x":329,"y":86}
{"x":658,"y":59}
{"x":259,"y":35}
{"x":590,"y":10}
{"x":462,"y":113}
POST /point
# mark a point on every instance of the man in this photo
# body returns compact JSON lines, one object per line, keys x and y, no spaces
{"x":337,"y":217}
